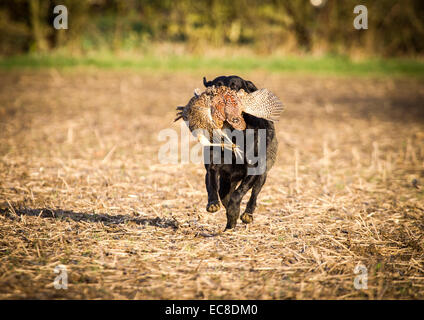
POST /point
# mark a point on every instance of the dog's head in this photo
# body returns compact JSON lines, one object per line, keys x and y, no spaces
{"x":217,"y":82}
{"x":234,"y":82}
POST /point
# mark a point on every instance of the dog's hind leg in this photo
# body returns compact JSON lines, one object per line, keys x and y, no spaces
{"x":247,"y":216}
{"x":233,"y":207}
{"x":226,"y":188}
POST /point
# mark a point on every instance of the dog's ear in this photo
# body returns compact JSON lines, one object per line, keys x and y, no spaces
{"x":232,"y":84}
{"x":236,"y":84}
{"x":250,"y":86}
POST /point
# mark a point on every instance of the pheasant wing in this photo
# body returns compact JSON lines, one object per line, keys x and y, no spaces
{"x":262,"y":104}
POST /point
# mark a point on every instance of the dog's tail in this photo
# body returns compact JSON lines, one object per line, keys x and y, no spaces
{"x":207,"y":83}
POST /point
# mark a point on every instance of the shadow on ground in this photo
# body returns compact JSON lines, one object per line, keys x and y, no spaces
{"x":88,"y":217}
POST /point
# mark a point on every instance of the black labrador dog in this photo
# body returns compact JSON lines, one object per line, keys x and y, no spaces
{"x":230,"y":182}
{"x":233,"y":82}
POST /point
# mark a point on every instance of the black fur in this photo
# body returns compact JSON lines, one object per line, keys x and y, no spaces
{"x":222,"y":179}
{"x":233,"y":82}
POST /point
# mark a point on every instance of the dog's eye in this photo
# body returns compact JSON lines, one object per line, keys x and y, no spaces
{"x":235,"y":120}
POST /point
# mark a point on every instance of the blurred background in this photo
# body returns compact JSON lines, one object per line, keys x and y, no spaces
{"x":213,"y":28}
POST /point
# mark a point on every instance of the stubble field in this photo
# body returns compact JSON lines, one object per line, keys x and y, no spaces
{"x":81,"y":186}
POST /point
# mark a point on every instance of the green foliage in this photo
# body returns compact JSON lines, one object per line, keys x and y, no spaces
{"x":336,"y":65}
{"x":267,"y":27}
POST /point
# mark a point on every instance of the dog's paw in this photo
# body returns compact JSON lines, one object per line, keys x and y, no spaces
{"x":246,"y":217}
{"x":213,"y":206}
{"x":229,"y":229}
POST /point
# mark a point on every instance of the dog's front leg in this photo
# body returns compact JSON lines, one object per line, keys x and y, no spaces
{"x":211,"y":181}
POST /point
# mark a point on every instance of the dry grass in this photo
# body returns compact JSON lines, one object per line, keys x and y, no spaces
{"x":80,"y":185}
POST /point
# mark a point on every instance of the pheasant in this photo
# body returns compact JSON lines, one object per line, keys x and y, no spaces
{"x":217,"y":107}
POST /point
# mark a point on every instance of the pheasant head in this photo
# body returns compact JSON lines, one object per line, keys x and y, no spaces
{"x":226,"y":107}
